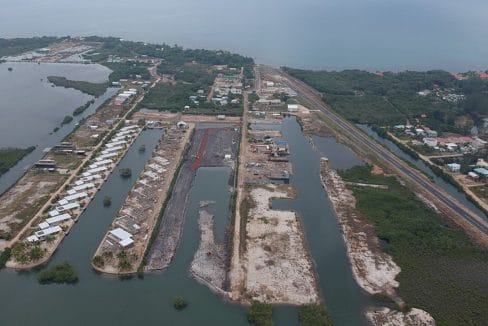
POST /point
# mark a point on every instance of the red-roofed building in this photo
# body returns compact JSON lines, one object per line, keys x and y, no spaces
{"x":483,"y":75}
{"x":455,"y":140}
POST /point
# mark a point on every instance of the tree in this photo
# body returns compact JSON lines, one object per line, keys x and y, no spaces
{"x":314,"y":315}
{"x":98,"y":261}
{"x":125,"y":172}
{"x":179,"y":303}
{"x":107,"y":201}
{"x":260,"y":314}
{"x":62,"y":273}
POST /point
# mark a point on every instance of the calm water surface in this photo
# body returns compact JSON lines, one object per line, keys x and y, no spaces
{"x":98,"y":299}
{"x":31,"y":108}
{"x":334,"y":34}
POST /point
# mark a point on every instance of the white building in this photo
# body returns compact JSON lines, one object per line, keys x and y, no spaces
{"x":454,"y":167}
{"x":41,"y":234}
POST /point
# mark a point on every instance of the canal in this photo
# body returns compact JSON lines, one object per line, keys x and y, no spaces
{"x":100,"y":299}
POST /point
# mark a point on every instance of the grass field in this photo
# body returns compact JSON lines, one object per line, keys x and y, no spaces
{"x":443,"y":272}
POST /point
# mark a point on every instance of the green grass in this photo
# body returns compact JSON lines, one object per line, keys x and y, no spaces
{"x":94,"y":89}
{"x":443,"y":272}
{"x":10,"y":156}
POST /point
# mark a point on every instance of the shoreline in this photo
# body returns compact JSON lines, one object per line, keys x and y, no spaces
{"x":60,"y":237}
{"x":374,"y":270}
{"x":72,"y":176}
{"x":141,"y":245}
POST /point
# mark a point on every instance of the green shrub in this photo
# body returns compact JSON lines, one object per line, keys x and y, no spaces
{"x":4,"y":257}
{"x":179,"y":303}
{"x":62,"y":273}
{"x":314,"y":315}
{"x":260,"y":314}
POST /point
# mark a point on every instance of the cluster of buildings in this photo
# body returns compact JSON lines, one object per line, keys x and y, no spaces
{"x":479,"y":171}
{"x":142,"y":199}
{"x":225,"y":86}
{"x":84,"y":187}
{"x":125,"y":96}
{"x":464,"y":144}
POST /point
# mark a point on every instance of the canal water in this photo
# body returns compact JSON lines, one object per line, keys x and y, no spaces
{"x":100,"y":299}
{"x":450,"y":189}
{"x":31,"y":108}
{"x":345,"y":300}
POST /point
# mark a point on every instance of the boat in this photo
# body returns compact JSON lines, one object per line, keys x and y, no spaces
{"x":10,"y":68}
{"x":142,"y":148}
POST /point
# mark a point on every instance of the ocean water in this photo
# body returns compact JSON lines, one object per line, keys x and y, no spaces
{"x":332,"y":34}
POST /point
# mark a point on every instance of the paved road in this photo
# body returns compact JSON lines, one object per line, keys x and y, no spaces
{"x":314,"y":98}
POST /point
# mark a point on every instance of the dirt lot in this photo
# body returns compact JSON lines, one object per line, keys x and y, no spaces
{"x":208,"y":263}
{"x":278,"y":268}
{"x":208,"y":148}
{"x":19,"y":204}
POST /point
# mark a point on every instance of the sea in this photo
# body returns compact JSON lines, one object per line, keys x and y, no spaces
{"x":317,"y":34}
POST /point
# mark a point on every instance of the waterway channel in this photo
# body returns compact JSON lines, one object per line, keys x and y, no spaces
{"x":108,"y":300}
{"x":31,"y":108}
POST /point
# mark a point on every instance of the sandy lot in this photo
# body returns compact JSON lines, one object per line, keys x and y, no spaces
{"x":374,"y":270}
{"x":208,"y":263}
{"x":278,"y":269}
{"x":388,"y":317}
{"x":19,"y":204}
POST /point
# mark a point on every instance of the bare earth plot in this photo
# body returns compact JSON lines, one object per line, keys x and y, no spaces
{"x":19,"y":204}
{"x":278,"y":269}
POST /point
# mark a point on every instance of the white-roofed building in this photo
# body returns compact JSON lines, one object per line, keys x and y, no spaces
{"x":58,"y":219}
{"x":53,"y":213}
{"x":63,"y":202}
{"x":123,"y":237}
{"x":84,"y":186}
{"x":126,"y":242}
{"x":43,"y":225}
{"x":33,"y":238}
{"x":116,"y":143}
{"x":103,"y":162}
{"x":128,"y":128}
{"x":41,"y":234}
{"x":75,"y":197}
{"x":105,"y":156}
{"x":112,"y":149}
{"x":68,"y":207}
{"x":97,"y":170}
